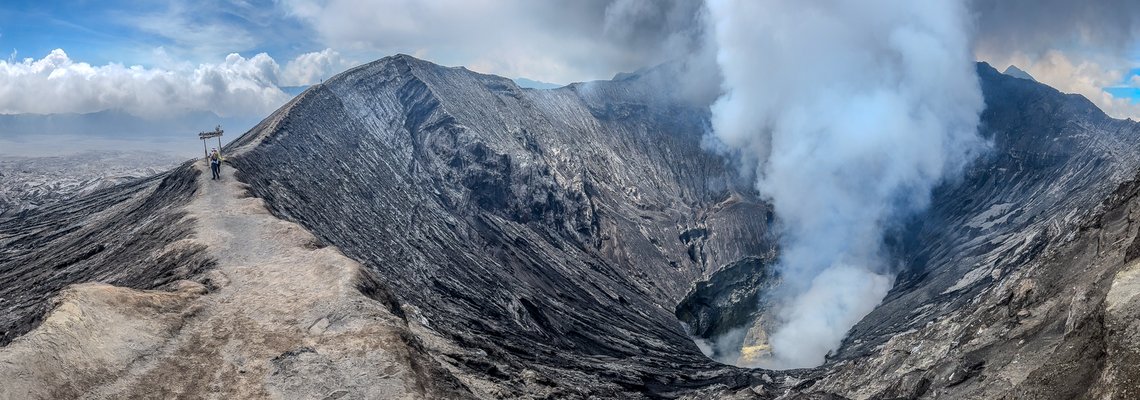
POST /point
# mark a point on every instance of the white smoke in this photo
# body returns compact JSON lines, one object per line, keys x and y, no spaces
{"x":848,"y":112}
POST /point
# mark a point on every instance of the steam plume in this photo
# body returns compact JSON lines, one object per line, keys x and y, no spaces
{"x":848,"y":113}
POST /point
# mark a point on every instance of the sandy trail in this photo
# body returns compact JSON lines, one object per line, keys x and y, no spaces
{"x":278,"y":317}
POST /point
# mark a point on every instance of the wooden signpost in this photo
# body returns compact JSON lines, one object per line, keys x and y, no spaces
{"x":216,"y":133}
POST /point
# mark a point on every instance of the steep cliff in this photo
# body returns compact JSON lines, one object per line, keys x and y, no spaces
{"x":542,"y":237}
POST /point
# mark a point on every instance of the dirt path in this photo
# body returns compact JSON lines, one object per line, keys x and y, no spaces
{"x":278,"y":317}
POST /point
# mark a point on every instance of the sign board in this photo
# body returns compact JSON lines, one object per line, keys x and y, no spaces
{"x":217,"y":132}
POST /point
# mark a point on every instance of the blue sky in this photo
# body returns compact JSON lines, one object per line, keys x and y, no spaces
{"x":1127,"y":88}
{"x":101,"y":32}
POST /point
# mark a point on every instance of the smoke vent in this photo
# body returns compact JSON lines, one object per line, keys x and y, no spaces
{"x":726,"y":314}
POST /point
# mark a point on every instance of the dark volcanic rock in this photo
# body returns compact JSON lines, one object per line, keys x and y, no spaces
{"x":1016,"y":72}
{"x":125,"y":235}
{"x":729,"y":299}
{"x":554,"y":230}
{"x":1055,"y":157}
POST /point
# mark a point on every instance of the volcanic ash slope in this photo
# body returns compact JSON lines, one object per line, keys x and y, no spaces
{"x":279,"y":315}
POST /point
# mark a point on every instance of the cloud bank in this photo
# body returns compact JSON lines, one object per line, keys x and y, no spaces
{"x":188,"y":67}
{"x":849,"y":112}
{"x":1036,"y":27}
{"x":235,"y":86}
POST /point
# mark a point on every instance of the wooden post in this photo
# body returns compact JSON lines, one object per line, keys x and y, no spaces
{"x":218,"y":129}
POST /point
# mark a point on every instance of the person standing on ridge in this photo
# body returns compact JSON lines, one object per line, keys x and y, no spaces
{"x":216,"y":164}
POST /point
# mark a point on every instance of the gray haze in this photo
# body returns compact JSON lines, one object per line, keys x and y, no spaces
{"x":33,"y":135}
{"x":1036,"y":26}
{"x":849,"y":113}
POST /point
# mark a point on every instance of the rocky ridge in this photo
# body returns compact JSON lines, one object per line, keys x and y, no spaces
{"x":274,"y":294}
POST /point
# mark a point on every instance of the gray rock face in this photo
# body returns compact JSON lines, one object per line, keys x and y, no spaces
{"x":547,"y":231}
{"x":1054,"y":159}
{"x":548,"y":243}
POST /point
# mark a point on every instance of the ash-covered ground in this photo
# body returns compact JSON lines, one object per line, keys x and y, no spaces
{"x":28,"y":182}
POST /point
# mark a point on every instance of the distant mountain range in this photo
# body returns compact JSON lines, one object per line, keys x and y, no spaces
{"x":56,"y":134}
{"x":1016,"y":72}
{"x":533,"y":84}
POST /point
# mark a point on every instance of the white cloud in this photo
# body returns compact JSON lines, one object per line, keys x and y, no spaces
{"x":198,"y":30}
{"x":312,"y":68}
{"x":58,"y":84}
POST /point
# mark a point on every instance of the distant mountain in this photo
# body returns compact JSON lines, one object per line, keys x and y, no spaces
{"x":293,"y":90}
{"x":115,"y":123}
{"x":58,"y":134}
{"x":1016,"y":72}
{"x":533,"y":84}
